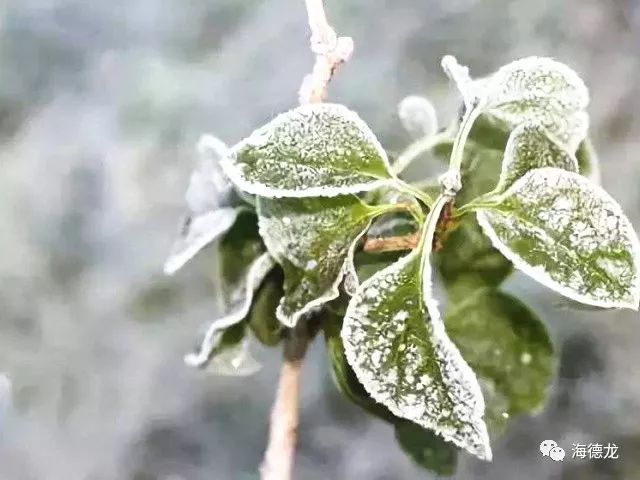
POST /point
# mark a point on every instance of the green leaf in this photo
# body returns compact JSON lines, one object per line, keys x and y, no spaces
{"x":507,"y":346}
{"x":240,"y":306}
{"x":344,"y":376}
{"x":530,"y":147}
{"x":211,"y":202}
{"x":313,"y":239}
{"x":314,"y":150}
{"x":426,"y":449}
{"x":237,"y":250}
{"x":262,"y":320}
{"x":396,"y":343}
{"x":568,"y":234}
{"x":468,"y":260}
{"x":535,"y":89}
{"x":541,"y":90}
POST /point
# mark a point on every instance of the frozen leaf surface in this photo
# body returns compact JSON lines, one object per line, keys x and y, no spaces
{"x":532,"y":89}
{"x":529,"y":147}
{"x":314,"y":150}
{"x":238,"y":311}
{"x":541,"y":90}
{"x":210,"y":205}
{"x":313,"y":239}
{"x":568,"y":234}
{"x":396,"y":343}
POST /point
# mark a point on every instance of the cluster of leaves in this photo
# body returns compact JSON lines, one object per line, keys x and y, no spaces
{"x":291,"y":203}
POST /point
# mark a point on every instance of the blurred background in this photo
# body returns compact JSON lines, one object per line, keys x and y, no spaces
{"x":101,"y":104}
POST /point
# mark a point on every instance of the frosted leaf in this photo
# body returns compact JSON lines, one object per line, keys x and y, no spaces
{"x":418,"y":116}
{"x":542,"y":90}
{"x":568,"y":234}
{"x":529,"y":147}
{"x":313,"y":239}
{"x":209,"y":202}
{"x":506,"y":345}
{"x":396,"y":343}
{"x":314,"y":150}
{"x":238,"y":311}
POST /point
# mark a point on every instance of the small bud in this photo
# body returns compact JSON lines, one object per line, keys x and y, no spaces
{"x":418,"y":116}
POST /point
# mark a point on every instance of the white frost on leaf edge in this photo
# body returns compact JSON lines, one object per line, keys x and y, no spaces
{"x":347,"y":272}
{"x":209,"y":213}
{"x":440,"y":341}
{"x":235,"y":174}
{"x":257,"y":272}
{"x":200,"y":231}
{"x":511,"y":153}
{"x":538,"y":274}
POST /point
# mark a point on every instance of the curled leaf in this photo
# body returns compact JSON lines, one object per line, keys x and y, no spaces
{"x":396,"y":343}
{"x":418,"y":116}
{"x":314,"y":150}
{"x":238,"y":312}
{"x":313,"y":239}
{"x":211,"y":211}
{"x":568,"y":234}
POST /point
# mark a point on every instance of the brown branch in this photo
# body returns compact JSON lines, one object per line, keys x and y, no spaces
{"x":391,"y":244}
{"x":330,"y":51}
{"x":278,"y":459}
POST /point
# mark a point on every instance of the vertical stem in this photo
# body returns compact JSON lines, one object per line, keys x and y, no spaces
{"x":451,"y":181}
{"x":330,"y":52}
{"x":278,"y":459}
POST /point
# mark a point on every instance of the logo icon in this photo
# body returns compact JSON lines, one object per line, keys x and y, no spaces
{"x":557,"y":454}
{"x":549,"y":448}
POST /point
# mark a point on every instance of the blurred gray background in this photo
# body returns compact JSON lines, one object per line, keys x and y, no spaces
{"x":100,"y":106}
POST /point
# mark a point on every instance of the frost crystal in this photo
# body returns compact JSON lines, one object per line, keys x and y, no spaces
{"x":396,"y":343}
{"x":209,"y":202}
{"x":314,"y":150}
{"x":569,"y":235}
{"x":312,"y":232}
{"x":238,"y":311}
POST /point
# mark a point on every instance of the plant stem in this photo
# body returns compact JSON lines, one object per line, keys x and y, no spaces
{"x":450,"y":181}
{"x":278,"y":459}
{"x":330,"y":51}
{"x":391,"y":244}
